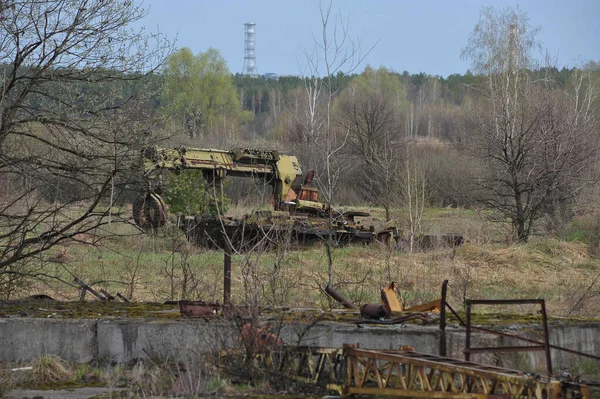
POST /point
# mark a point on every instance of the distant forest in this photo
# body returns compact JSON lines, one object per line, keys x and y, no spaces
{"x":435,"y":107}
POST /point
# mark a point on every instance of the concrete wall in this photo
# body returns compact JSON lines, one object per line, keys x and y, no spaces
{"x":126,"y":340}
{"x":121,"y":340}
{"x":24,"y":339}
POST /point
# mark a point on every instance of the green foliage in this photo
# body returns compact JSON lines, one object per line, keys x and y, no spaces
{"x":199,"y":92}
{"x":380,"y":82}
{"x":576,"y":231}
{"x":187,"y":194}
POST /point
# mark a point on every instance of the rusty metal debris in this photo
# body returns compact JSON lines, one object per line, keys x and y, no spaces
{"x":102,"y":295}
{"x":374,"y":311}
{"x":433,"y":306}
{"x":406,"y":373}
{"x":192,"y":309}
{"x":390,"y":299}
{"x":392,"y":306}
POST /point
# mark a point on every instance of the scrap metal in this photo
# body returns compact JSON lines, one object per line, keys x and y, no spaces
{"x":351,"y":370}
{"x":389,"y":298}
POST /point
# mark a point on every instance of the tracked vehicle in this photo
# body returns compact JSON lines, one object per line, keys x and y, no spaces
{"x":297,"y":217}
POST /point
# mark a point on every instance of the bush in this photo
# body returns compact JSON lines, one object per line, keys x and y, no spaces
{"x":187,"y":194}
{"x":50,"y":369}
{"x":593,"y":235}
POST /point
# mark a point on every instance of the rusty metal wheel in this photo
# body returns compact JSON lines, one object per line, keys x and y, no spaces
{"x":150,"y":211}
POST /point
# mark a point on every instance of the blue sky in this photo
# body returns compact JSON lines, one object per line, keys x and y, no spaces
{"x":416,"y":36}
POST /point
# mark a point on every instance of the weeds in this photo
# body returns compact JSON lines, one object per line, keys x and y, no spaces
{"x":158,"y":267}
{"x":6,"y":381}
{"x":50,"y":369}
{"x":190,"y":378}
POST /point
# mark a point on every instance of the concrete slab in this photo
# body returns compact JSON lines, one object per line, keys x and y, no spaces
{"x":25,"y":339}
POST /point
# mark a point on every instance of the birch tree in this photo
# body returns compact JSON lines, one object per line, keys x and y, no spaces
{"x":334,"y":52}
{"x":536,"y":140}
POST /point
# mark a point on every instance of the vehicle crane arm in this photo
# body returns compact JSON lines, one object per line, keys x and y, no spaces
{"x":283,"y":172}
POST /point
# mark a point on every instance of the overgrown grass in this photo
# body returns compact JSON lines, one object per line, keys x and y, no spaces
{"x":163,"y":266}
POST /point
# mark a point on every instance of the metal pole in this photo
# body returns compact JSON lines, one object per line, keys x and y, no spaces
{"x":226,"y":271}
{"x":468,"y":335}
{"x":546,"y":340}
{"x":443,"y":319}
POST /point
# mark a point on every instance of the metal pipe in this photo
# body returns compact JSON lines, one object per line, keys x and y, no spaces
{"x":338,"y":297}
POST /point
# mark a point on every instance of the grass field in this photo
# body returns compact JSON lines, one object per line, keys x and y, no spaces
{"x":164,"y":266}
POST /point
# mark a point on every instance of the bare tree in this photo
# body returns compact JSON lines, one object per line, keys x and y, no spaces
{"x":76,"y":82}
{"x":536,"y":140}
{"x":414,"y":193}
{"x":334,"y":51}
{"x":368,"y":112}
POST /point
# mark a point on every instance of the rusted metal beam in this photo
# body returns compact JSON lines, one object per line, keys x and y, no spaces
{"x":107,"y":295}
{"x":85,"y":287}
{"x":468,"y":333}
{"x":405,"y":373}
{"x":122,"y":297}
{"x":546,"y":339}
{"x":426,"y":307}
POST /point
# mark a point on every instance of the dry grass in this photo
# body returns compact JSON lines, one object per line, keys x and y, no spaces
{"x":6,"y":381}
{"x":164,"y":266}
{"x":50,"y":369}
{"x":147,"y":378}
